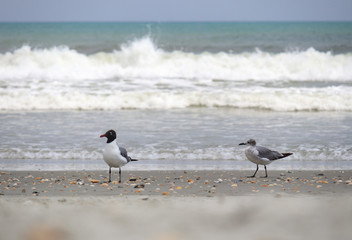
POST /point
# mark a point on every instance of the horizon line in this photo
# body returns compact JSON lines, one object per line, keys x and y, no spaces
{"x":190,"y":21}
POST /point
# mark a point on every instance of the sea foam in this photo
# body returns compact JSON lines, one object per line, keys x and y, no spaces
{"x":325,"y":99}
{"x":142,"y":76}
{"x":302,"y":153}
{"x":143,"y":59}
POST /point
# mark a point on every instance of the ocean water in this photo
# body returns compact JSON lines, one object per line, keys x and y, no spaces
{"x":180,"y":95}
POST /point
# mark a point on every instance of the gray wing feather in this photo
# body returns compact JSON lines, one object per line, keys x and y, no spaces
{"x":267,"y":153}
{"x":124,"y":154}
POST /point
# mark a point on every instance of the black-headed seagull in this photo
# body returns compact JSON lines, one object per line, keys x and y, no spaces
{"x":115,"y":156}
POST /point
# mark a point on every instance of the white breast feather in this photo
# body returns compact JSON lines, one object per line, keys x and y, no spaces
{"x":112,"y":155}
{"x":253,"y":155}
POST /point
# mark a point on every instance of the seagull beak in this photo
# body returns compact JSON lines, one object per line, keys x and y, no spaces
{"x":102,"y":135}
{"x":241,"y":144}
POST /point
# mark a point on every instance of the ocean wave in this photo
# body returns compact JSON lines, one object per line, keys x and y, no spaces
{"x":275,"y":99}
{"x":301,"y":153}
{"x":142,"y":76}
{"x":141,"y":58}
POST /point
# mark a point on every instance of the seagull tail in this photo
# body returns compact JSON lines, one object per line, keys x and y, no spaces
{"x":285,"y":155}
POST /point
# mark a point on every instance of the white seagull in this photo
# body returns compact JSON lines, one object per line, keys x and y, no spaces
{"x":115,"y":156}
{"x":261,"y":155}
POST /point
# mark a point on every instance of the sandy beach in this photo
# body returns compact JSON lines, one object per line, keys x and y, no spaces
{"x":174,"y":183}
{"x":175,"y":205}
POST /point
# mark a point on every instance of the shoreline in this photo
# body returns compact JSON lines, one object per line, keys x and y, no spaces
{"x":194,"y":183}
{"x":168,"y":165}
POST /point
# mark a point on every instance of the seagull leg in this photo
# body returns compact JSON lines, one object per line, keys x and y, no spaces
{"x":109,"y":174}
{"x":254,"y":172}
{"x":266,"y":173}
{"x":119,"y":175}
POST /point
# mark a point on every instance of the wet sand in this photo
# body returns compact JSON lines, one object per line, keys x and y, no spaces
{"x":170,"y":205}
{"x":174,"y":183}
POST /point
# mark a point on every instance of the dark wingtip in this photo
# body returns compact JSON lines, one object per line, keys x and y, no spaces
{"x":134,"y":160}
{"x":286,"y":154}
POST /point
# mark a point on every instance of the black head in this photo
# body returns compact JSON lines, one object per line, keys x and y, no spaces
{"x":250,"y":142}
{"x":110,"y":135}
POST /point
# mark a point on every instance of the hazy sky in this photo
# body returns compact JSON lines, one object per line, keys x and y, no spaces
{"x":176,"y":10}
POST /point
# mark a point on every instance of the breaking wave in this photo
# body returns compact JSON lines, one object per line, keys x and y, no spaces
{"x":141,"y":58}
{"x":219,"y":153}
{"x":142,"y":76}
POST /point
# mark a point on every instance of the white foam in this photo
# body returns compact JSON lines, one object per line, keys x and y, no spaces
{"x":302,"y":153}
{"x":141,"y":58}
{"x":143,"y":76}
{"x":285,"y":99}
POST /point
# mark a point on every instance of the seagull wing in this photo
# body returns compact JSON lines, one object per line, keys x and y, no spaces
{"x":124,"y":154}
{"x":268,"y":154}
